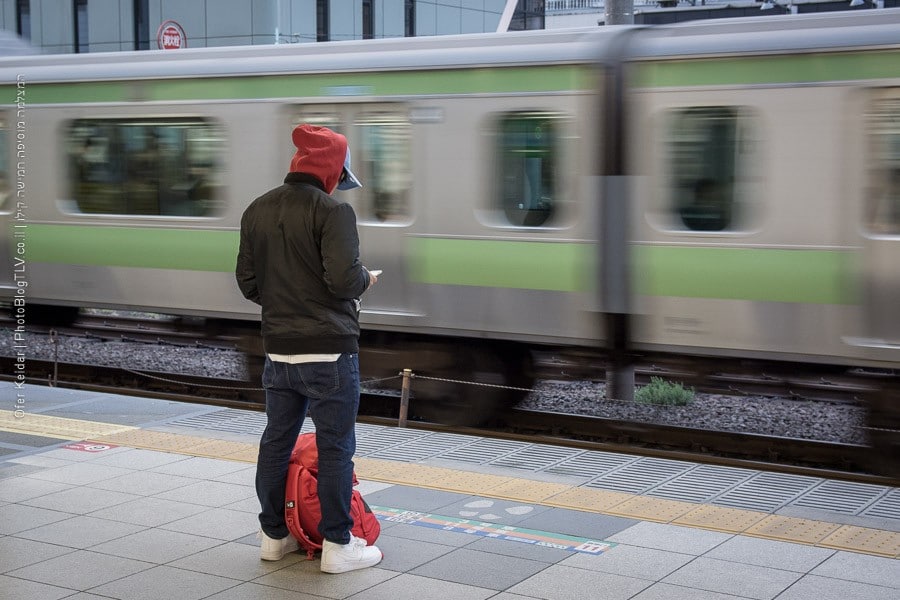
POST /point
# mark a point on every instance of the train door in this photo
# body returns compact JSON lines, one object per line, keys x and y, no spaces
{"x":380,"y":141}
{"x":881,"y":223}
{"x":7,"y":211}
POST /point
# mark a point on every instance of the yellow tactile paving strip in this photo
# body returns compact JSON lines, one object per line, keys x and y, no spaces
{"x":55,"y":427}
{"x":645,"y":508}
{"x":720,"y":518}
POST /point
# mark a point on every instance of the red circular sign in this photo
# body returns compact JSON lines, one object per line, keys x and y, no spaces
{"x":170,"y":36}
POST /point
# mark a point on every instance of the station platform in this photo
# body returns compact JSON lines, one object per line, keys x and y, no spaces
{"x":106,"y":496}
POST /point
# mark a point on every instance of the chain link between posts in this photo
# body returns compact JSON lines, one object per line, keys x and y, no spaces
{"x":405,"y":374}
{"x":364,"y":382}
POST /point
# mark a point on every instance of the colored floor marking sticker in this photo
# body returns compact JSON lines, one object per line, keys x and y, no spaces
{"x":543,"y":539}
{"x":89,"y":447}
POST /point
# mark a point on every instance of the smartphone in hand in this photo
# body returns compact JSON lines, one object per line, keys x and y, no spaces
{"x":375,"y":272}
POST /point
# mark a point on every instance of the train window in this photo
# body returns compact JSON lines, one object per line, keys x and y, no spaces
{"x":6,"y":202}
{"x":166,"y":167}
{"x":528,"y":144}
{"x":322,"y":119}
{"x":883,"y":202}
{"x":704,"y":144}
{"x":384,"y":167}
{"x":380,"y":148}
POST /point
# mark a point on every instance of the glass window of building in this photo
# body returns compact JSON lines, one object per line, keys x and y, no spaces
{"x":23,"y":18}
{"x":165,"y":167}
{"x":529,"y":14}
{"x":323,"y":20}
{"x":409,"y":18}
{"x":529,"y":170}
{"x":82,"y":43}
{"x":368,"y":19}
{"x":882,"y":215}
{"x":705,"y":153}
{"x":141,"y":24}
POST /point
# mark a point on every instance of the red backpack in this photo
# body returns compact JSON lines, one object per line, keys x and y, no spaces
{"x":301,"y":500}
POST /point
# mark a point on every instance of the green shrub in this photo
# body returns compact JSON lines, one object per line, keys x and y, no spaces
{"x":664,"y":393}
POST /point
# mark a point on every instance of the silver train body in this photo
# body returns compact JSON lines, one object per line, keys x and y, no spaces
{"x":723,"y":188}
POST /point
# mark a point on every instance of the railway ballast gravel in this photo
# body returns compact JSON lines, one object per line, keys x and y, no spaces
{"x":785,"y":417}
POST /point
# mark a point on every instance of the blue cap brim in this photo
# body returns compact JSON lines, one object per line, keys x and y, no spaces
{"x":350,"y":181}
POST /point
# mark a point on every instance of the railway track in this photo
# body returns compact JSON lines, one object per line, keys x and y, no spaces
{"x":714,"y":376}
{"x":149,"y":329}
{"x":838,"y":460}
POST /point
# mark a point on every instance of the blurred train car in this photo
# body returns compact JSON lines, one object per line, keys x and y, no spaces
{"x":725,"y":188}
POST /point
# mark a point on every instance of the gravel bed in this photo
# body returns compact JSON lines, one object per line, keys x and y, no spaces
{"x":189,"y":360}
{"x":785,"y":417}
{"x":823,"y":421}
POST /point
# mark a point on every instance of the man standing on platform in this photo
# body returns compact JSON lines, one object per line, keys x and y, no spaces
{"x":299,"y":260}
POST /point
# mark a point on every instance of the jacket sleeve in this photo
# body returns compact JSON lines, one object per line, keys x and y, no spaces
{"x":344,"y":274}
{"x":244,"y":273}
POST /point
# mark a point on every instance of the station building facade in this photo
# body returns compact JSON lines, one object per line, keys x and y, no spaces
{"x":67,"y":26}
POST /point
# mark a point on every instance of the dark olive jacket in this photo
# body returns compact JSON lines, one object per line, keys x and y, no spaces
{"x":299,"y":260}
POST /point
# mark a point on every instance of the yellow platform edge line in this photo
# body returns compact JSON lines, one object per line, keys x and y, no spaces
{"x":736,"y":521}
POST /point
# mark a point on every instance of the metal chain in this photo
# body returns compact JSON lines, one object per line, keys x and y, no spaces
{"x":491,"y":385}
{"x":226,"y":387}
{"x":216,"y":387}
{"x":367,"y":381}
{"x":380,"y":380}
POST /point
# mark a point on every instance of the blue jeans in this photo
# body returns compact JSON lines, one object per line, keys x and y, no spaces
{"x":330,"y":391}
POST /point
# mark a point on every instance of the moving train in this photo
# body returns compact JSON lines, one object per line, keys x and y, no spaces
{"x":725,"y":188}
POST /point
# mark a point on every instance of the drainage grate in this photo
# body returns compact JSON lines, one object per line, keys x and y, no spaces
{"x":674,"y":480}
{"x":537,"y":457}
{"x":701,"y":483}
{"x":423,"y":447}
{"x":766,"y":491}
{"x":840,"y":497}
{"x":591,"y":464}
{"x":386,"y":441}
{"x":364,"y":429}
{"x":483,"y":451}
{"x":886,"y":507}
{"x":640,"y":476}
{"x":231,"y":420}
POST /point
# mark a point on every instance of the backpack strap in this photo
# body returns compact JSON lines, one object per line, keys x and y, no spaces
{"x":291,"y":508}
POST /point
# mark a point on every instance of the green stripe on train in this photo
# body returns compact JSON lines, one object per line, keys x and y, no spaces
{"x":756,"y":274}
{"x":142,"y":247}
{"x":412,"y":83}
{"x":790,"y":68}
{"x":489,"y":263}
{"x":555,"y":266}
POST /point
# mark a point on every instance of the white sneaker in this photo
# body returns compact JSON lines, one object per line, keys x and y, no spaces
{"x":349,"y":557}
{"x":272,"y":549}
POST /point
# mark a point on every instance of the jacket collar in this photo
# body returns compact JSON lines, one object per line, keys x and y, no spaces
{"x":295,"y":177}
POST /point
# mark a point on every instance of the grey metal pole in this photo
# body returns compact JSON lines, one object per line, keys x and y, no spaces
{"x":619,"y":12}
{"x":620,"y":374}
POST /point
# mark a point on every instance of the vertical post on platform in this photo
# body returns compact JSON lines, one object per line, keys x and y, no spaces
{"x":404,"y":397}
{"x":54,"y":339}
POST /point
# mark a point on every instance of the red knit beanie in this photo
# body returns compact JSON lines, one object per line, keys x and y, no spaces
{"x":320,"y":152}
